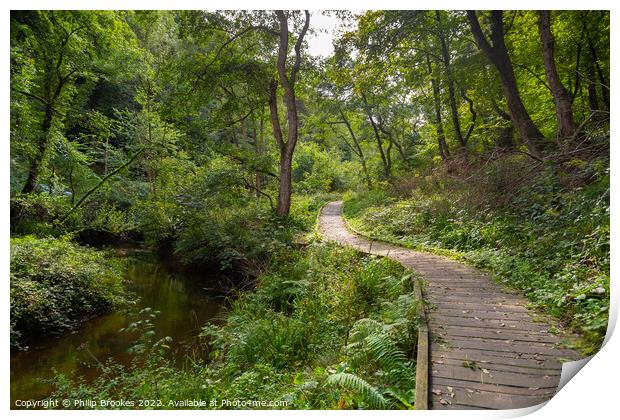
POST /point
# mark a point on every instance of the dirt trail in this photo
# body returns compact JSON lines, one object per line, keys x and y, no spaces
{"x":488,"y":351}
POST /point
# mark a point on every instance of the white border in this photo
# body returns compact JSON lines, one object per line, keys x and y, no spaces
{"x":592,"y":393}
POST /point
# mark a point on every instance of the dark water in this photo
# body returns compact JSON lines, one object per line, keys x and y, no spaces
{"x":185,"y":304}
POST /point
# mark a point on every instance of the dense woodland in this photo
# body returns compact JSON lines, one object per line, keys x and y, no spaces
{"x":215,"y":138}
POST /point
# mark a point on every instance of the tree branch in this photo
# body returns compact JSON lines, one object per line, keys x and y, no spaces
{"x":473,"y":113}
{"x":258,"y":190}
{"x":298,"y":44}
{"x":96,"y":187}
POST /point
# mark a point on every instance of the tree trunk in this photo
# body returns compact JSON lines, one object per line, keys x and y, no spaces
{"x":392,"y":142}
{"x":358,"y":148}
{"x":578,"y":60}
{"x":445,"y":54}
{"x":497,"y":53}
{"x":37,"y":162}
{"x":561,"y":98}
{"x":441,"y":138}
{"x":284,"y":191}
{"x":388,"y":155}
{"x":473,"y":113}
{"x":601,"y":76}
{"x":288,"y":86}
{"x":592,"y":95}
{"x":386,"y":164}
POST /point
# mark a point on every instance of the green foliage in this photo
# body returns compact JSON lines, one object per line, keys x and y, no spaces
{"x":317,"y":169}
{"x":356,"y":384}
{"x":550,"y":241}
{"x":324,"y":327}
{"x":40,"y":215}
{"x":289,"y":340}
{"x":56,"y":284}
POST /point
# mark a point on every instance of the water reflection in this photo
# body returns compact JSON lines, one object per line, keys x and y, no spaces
{"x":184,"y":306}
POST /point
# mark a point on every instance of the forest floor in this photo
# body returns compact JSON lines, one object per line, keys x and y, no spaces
{"x":488,"y":349}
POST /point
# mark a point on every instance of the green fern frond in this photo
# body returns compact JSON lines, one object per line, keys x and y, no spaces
{"x":389,"y":357}
{"x":365,"y":327}
{"x":359,"y":386}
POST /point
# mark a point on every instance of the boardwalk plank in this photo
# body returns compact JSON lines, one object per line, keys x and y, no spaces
{"x":500,"y":389}
{"x":494,"y":377}
{"x":485,"y":399}
{"x":497,"y":367}
{"x":502,"y":334}
{"x":515,"y":359}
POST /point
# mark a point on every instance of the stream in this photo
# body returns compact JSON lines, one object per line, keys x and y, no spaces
{"x":184,"y":304}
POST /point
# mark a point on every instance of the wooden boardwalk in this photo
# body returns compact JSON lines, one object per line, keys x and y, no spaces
{"x":488,"y":351}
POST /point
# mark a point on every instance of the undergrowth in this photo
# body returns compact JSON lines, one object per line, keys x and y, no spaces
{"x":549,"y":240}
{"x":325,"y":328}
{"x":56,"y":284}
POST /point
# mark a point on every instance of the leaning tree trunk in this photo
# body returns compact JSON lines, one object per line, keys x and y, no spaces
{"x":358,"y":149}
{"x":561,"y":97}
{"x":497,"y":53}
{"x":386,"y":163}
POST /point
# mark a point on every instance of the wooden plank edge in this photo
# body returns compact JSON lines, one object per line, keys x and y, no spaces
{"x":422,"y":362}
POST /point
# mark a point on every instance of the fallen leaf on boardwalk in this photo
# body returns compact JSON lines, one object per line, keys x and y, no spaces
{"x":471,"y":391}
{"x":485,"y":370}
{"x":449,"y":388}
{"x":503,"y":324}
{"x":436,"y":391}
{"x":470,"y":365}
{"x":444,"y":402}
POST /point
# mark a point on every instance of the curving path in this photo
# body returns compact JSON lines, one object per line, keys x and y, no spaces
{"x":487,"y":351}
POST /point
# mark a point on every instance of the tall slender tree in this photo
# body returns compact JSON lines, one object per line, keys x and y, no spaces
{"x":287,"y":82}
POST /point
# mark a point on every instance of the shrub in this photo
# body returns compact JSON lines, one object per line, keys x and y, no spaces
{"x":56,"y":284}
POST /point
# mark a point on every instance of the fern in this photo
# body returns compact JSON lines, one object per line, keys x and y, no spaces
{"x":365,"y":327}
{"x":389,"y":357}
{"x":378,"y":340}
{"x":356,"y":384}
